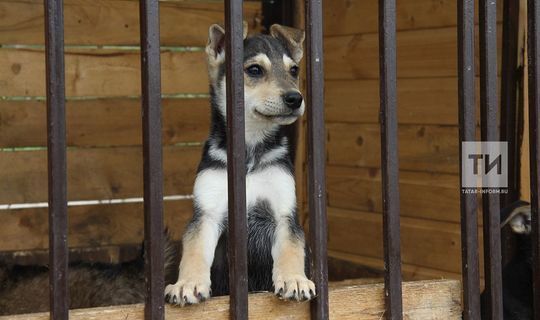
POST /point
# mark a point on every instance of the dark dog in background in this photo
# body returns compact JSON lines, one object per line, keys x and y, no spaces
{"x":517,"y":274}
{"x":25,"y":289}
{"x":276,"y":246}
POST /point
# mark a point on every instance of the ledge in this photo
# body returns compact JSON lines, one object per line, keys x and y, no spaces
{"x":434,"y":299}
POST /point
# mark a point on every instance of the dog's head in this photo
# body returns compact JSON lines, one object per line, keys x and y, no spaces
{"x":271,"y":73}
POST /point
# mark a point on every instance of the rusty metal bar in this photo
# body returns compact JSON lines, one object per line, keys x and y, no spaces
{"x":490,"y":132}
{"x":467,"y":126}
{"x":510,"y":130}
{"x":152,"y":159}
{"x":389,"y":158}
{"x":316,"y":157}
{"x":533,"y":34}
{"x":236,"y":163}
{"x":56,"y":157}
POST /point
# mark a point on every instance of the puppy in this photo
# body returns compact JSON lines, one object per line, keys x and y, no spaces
{"x":276,"y":247}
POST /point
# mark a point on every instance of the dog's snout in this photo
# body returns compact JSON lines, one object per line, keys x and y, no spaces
{"x":293,"y":99}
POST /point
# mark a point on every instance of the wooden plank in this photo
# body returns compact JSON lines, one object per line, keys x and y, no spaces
{"x":423,"y":195}
{"x":421,"y":148}
{"x":89,"y":226}
{"x":94,"y":173}
{"x":100,"y":72}
{"x":342,"y":17}
{"x":421,"y":101}
{"x":116,"y":22}
{"x":425,"y":53}
{"x":438,"y":299}
{"x":103,"y":122}
{"x":426,"y":243}
{"x":410,"y":272}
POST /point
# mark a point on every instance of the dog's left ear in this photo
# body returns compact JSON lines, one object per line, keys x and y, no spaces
{"x":292,"y":38}
{"x":520,"y":220}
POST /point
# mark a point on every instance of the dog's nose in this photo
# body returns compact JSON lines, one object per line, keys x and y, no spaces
{"x":293,"y":99}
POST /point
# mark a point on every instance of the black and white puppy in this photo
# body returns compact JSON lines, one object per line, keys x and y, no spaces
{"x":276,"y":247}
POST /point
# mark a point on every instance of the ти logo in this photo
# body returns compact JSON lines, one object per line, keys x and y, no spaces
{"x":484,"y":165}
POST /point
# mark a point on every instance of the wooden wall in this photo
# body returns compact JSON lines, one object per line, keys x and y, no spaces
{"x":428,"y":134}
{"x":103,"y":117}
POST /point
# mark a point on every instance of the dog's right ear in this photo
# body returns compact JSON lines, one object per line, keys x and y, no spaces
{"x":215,"y":49}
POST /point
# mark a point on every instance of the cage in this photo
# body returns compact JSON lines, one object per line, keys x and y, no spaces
{"x":105,"y":180}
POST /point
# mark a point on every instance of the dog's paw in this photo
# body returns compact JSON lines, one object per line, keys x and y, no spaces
{"x":294,"y":287}
{"x":188,"y":291}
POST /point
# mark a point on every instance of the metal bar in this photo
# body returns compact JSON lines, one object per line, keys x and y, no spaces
{"x":467,"y":126}
{"x":316,"y":157}
{"x":490,"y":132}
{"x":511,"y":115}
{"x":56,"y":157}
{"x":236,"y":163}
{"x":533,"y":36}
{"x":152,"y":159}
{"x":389,"y":159}
{"x":509,"y":87}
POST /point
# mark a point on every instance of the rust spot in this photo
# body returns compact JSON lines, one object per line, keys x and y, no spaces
{"x":126,"y":26}
{"x":421,"y":132}
{"x":115,"y":188}
{"x":16,"y":68}
{"x":26,"y":222}
{"x":360,"y":141}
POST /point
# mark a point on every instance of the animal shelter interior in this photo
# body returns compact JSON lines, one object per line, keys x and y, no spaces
{"x":106,"y":148}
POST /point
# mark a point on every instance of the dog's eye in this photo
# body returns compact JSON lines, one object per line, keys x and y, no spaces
{"x":294,"y":71}
{"x":255,"y":70}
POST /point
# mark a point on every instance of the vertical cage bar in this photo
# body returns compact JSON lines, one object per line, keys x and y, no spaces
{"x":236,"y":163}
{"x":316,"y":157}
{"x":490,"y":132}
{"x":467,"y":126}
{"x":389,"y":158}
{"x":509,"y":86}
{"x":152,"y":159}
{"x":533,"y":34}
{"x":56,"y":157}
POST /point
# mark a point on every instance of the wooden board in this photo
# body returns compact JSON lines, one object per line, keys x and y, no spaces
{"x":89,"y":226}
{"x":426,"y":243}
{"x":424,"y":53}
{"x":102,"y":122}
{"x":421,"y":148}
{"x":420,"y":101}
{"x":100,"y":72}
{"x":433,"y":196}
{"x":433,"y":300}
{"x":361,"y":16}
{"x":94,"y":173}
{"x":116,"y":22}
{"x":410,"y":272}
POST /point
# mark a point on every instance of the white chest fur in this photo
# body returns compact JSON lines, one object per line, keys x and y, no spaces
{"x":273,"y":184}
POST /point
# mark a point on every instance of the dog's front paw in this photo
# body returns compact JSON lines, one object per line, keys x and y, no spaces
{"x":188,"y":291}
{"x":294,"y":287}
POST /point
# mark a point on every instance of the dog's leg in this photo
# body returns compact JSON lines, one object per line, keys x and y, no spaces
{"x":199,"y":245}
{"x":288,"y":275}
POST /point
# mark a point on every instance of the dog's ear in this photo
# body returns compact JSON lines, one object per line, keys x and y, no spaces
{"x":520,"y":220}
{"x":216,"y":40}
{"x":292,"y":38}
{"x":215,"y":49}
